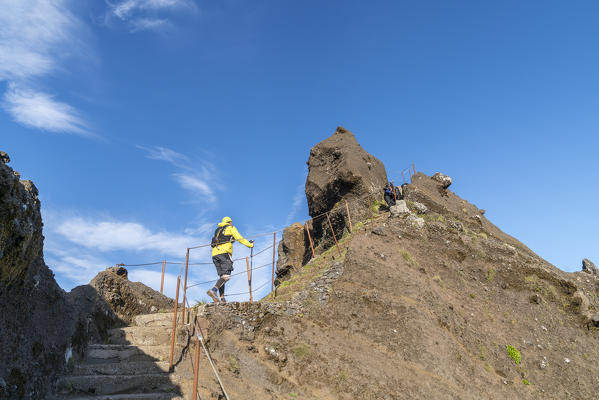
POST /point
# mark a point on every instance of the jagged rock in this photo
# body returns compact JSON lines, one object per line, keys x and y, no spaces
{"x":119,"y":271}
{"x":128,"y":299}
{"x":379,"y":230}
{"x":36,"y":320}
{"x":4,"y":157}
{"x":400,"y":208}
{"x":420,"y":208}
{"x":443,"y":179}
{"x":589,"y":267}
{"x":340,"y":169}
{"x":292,"y":250}
{"x":415,"y":221}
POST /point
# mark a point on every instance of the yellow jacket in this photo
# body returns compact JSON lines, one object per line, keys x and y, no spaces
{"x":228,"y":247}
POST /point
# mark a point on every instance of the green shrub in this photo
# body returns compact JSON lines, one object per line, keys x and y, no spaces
{"x":491,"y":275}
{"x":525,"y":381}
{"x":513,"y":353}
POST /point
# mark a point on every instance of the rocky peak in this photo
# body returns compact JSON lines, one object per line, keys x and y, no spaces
{"x":339,"y":168}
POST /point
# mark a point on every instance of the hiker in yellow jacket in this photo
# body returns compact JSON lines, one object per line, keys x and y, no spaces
{"x":222,"y":252}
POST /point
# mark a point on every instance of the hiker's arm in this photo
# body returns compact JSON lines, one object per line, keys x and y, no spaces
{"x":240,"y":238}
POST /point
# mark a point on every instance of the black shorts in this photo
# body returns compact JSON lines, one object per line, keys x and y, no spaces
{"x":223,"y":264}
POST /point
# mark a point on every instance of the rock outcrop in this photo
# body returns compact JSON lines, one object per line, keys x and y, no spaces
{"x":128,"y":299}
{"x":293,"y":250}
{"x":443,"y":179}
{"x":41,"y":326}
{"x":35,"y":314}
{"x":589,"y":267}
{"x":339,"y":168}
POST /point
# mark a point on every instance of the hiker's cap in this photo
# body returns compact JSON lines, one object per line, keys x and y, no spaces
{"x":226,"y":220}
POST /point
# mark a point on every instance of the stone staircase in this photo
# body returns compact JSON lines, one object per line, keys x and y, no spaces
{"x":133,"y":365}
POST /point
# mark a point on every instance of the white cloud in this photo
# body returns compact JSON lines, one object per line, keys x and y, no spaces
{"x":196,"y":184}
{"x":36,"y":37}
{"x":116,"y":235}
{"x":164,"y":154}
{"x":41,"y":111}
{"x":73,"y":265}
{"x":147,"y":24}
{"x":299,"y":199}
{"x":143,"y":15}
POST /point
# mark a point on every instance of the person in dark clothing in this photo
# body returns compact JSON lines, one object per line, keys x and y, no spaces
{"x":389,"y":194}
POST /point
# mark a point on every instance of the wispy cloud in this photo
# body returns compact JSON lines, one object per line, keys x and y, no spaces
{"x":36,"y":37}
{"x":106,"y":235}
{"x":164,"y":154}
{"x":197,"y":185}
{"x":41,"y":111}
{"x":143,"y":15}
{"x":199,"y":177}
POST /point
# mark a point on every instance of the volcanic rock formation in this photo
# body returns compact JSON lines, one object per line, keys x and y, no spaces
{"x":339,"y":168}
{"x":127,"y":298}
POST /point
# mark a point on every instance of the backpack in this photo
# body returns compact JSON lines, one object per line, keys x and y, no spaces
{"x":220,"y":237}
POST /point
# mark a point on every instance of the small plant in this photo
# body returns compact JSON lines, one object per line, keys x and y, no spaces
{"x":482,"y":352}
{"x":491,"y":275}
{"x":406,"y":256}
{"x":483,"y":235}
{"x":292,"y":394}
{"x":513,"y":353}
{"x":525,"y":381}
{"x":233,"y":365}
{"x":302,"y":351}
{"x":376,"y":207}
{"x":472,"y":295}
{"x":487,"y":367}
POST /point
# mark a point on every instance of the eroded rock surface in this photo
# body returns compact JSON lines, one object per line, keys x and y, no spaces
{"x":128,"y":299}
{"x":293,"y":250}
{"x":339,"y":168}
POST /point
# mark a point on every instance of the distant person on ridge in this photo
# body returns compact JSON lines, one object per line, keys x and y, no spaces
{"x":389,"y":195}
{"x":222,"y":252}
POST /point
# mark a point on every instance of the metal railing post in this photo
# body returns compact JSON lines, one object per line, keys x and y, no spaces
{"x":247,"y":261}
{"x":162,"y":279}
{"x":334,"y":237}
{"x":310,"y":239}
{"x":414,"y":167}
{"x":196,"y":369}
{"x":185,"y":287}
{"x":174,"y":331}
{"x":351,"y":229}
{"x":274,"y":242}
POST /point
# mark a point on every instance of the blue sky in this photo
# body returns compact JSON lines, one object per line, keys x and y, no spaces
{"x":144,"y":122}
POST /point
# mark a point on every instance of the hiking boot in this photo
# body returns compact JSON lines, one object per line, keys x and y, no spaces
{"x":213,"y":293}
{"x":222,"y":299}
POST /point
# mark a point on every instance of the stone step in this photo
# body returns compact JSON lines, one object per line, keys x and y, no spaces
{"x":157,"y":319}
{"x":124,"y":368}
{"x":117,"y":353}
{"x":117,"y":384}
{"x":140,"y":335}
{"x":125,"y":396}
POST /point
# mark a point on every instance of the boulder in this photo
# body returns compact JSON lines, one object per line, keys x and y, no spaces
{"x":292,"y":250}
{"x":380,"y":231}
{"x":415,"y":221}
{"x":338,"y":168}
{"x":443,"y":179}
{"x":400,"y":208}
{"x":420,"y":208}
{"x":128,"y":299}
{"x":589,"y":267}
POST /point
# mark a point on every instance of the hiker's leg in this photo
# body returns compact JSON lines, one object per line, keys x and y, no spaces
{"x":221,"y":281}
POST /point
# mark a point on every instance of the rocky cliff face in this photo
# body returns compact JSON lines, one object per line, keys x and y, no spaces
{"x":41,"y":326}
{"x":35,"y":313}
